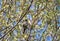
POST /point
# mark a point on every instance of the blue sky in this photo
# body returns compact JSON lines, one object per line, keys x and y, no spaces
{"x":0,"y":4}
{"x":49,"y":38}
{"x":29,"y":16}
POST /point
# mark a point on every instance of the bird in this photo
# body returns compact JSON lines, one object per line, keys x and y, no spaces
{"x":25,"y":25}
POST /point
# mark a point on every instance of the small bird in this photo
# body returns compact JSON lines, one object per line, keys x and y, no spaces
{"x":25,"y":25}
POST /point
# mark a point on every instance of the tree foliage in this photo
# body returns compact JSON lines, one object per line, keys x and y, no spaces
{"x":30,"y":20}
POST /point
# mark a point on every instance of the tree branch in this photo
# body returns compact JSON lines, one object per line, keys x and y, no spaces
{"x":18,"y":21}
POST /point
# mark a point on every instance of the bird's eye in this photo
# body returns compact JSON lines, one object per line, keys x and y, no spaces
{"x":25,"y":19}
